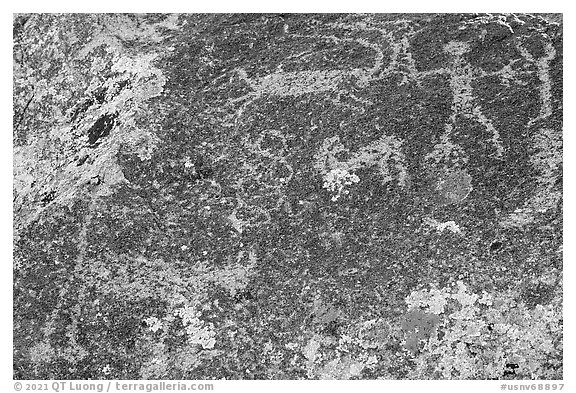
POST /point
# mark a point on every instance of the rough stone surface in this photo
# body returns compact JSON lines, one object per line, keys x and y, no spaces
{"x":287,"y":196}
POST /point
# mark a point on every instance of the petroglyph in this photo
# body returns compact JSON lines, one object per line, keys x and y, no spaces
{"x":543,"y":72}
{"x":298,"y":83}
{"x":547,"y":145}
{"x":261,"y":180}
{"x":547,"y":161}
{"x":461,"y":77}
{"x":378,"y":153}
{"x":397,"y":39}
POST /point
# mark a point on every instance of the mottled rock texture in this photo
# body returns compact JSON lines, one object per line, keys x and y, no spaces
{"x":287,"y":196}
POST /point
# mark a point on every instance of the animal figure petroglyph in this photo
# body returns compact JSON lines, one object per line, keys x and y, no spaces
{"x":298,"y":83}
{"x":392,"y":57}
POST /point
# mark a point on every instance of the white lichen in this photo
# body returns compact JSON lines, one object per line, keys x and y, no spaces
{"x":338,"y":172}
{"x":478,"y":335}
{"x":198,"y":331}
{"x":337,"y":179}
{"x":443,"y":226}
{"x":153,"y":323}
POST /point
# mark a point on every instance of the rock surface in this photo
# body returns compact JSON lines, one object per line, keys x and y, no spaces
{"x":287,"y":196}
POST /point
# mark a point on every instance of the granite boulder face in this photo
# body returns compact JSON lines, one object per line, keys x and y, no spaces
{"x":287,"y":196}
